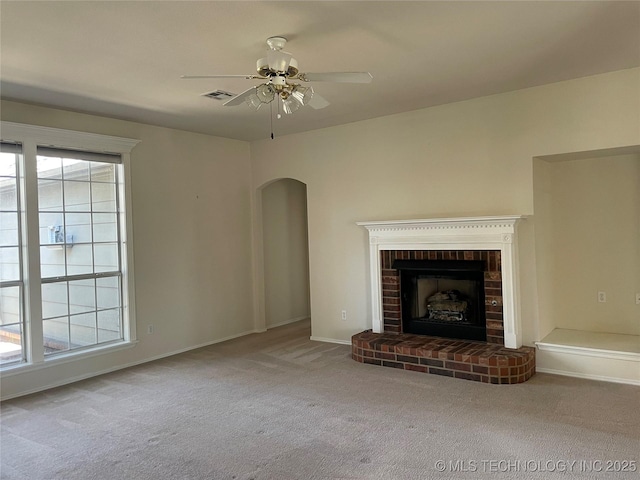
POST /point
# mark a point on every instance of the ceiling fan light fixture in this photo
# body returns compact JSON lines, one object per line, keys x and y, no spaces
{"x":262,"y":95}
{"x":265,"y":93}
{"x":254,"y":101}
{"x":302,"y":94}
{"x":290,"y":105}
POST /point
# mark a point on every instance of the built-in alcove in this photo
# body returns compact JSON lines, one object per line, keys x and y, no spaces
{"x":587,"y":234}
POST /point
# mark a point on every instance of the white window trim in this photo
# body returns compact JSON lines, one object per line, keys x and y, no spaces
{"x":31,"y":136}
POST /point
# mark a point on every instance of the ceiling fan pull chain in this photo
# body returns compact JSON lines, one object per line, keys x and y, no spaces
{"x":271,"y":118}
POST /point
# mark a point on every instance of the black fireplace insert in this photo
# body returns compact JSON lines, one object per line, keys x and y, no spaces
{"x":443,"y":298}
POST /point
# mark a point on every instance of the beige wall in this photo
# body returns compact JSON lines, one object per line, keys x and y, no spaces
{"x":286,"y":253}
{"x":468,"y":158}
{"x":192,"y":239}
{"x":595,"y":214}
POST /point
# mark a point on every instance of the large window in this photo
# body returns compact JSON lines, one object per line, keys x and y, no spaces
{"x":65,"y":262}
{"x":11,"y":284}
{"x":79,"y":249}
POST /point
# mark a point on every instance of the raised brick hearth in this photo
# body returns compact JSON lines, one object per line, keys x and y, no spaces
{"x":469,"y":360}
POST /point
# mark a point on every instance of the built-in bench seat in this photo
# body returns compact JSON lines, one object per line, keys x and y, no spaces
{"x":611,"y":357}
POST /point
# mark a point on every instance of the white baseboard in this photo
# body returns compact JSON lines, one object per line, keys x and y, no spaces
{"x":287,"y":322}
{"x":330,"y":340}
{"x":78,"y":378}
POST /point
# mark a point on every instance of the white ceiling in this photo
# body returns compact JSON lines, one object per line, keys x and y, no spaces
{"x":124,"y":59}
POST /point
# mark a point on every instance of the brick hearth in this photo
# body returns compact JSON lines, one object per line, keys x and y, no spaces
{"x":469,"y":360}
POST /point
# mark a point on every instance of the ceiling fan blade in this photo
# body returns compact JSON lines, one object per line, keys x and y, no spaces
{"x":317,"y":102}
{"x":342,"y":77}
{"x":239,"y":99}
{"x":248,"y":77}
{"x":278,"y":60}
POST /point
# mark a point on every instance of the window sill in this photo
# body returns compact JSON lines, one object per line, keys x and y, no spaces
{"x":62,"y":358}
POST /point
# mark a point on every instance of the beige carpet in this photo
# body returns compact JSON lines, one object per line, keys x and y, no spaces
{"x":279,"y":406}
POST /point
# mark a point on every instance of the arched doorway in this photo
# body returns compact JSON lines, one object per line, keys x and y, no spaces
{"x":285,"y":252}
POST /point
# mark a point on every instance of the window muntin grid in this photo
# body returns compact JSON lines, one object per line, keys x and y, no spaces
{"x":80,"y":257}
{"x":11,"y":275}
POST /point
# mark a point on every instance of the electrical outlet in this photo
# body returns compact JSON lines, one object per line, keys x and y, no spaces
{"x":602,"y":297}
{"x":149,"y":329}
{"x":637,"y":298}
{"x":344,"y":315}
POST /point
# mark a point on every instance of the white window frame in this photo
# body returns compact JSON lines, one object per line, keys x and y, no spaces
{"x":30,"y":137}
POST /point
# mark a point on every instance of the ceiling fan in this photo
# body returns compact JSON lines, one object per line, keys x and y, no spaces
{"x":280,"y":70}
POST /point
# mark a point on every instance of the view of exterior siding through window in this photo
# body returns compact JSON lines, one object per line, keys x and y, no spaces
{"x":79,"y":251}
{"x":11,"y":283}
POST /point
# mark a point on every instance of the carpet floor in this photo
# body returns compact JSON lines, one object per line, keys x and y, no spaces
{"x":279,"y":406}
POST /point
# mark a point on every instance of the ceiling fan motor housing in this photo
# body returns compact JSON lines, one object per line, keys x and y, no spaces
{"x":262,"y":66}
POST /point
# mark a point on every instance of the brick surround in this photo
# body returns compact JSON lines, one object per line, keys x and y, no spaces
{"x":392,"y":315}
{"x":466,"y":359}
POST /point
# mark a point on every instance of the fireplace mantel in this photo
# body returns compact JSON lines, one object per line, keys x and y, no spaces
{"x":468,"y":233}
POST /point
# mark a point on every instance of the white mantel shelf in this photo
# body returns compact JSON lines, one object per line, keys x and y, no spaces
{"x":463,"y":233}
{"x":498,"y":218}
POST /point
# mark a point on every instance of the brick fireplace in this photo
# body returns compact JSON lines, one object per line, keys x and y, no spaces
{"x":489,"y":240}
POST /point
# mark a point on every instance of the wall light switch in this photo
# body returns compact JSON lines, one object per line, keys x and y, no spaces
{"x":637,"y":298}
{"x":602,"y":297}
{"x":344,"y":315}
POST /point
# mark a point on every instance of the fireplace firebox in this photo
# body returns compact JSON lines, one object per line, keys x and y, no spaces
{"x":443,"y":298}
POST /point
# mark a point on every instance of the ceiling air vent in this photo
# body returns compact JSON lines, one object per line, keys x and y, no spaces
{"x":219,"y":95}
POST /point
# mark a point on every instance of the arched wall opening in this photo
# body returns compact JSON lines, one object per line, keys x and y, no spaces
{"x":285,"y":252}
